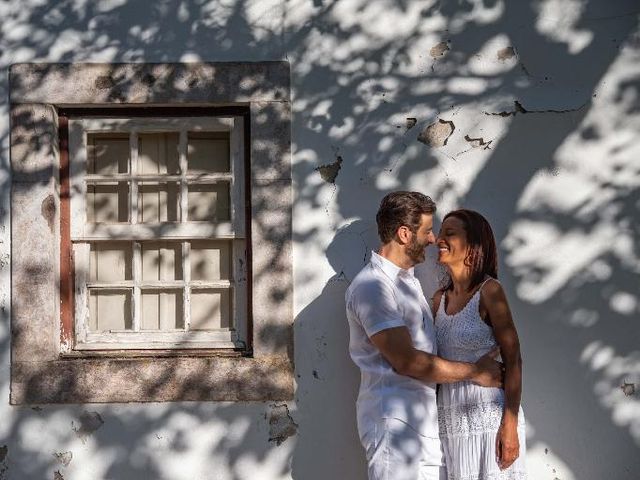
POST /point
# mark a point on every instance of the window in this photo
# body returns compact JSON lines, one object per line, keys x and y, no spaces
{"x":158,"y":233}
{"x":151,"y":232}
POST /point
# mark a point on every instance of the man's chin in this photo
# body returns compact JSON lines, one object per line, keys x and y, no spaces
{"x":419,"y":259}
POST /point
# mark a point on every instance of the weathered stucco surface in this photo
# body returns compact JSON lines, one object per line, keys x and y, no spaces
{"x":544,"y":97}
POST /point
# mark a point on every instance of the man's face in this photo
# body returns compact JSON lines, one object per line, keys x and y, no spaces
{"x":421,"y":239}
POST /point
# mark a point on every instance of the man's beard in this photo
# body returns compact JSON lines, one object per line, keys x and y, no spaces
{"x":415,"y":251}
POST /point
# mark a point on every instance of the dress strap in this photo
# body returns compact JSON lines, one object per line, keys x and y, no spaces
{"x":482,"y":285}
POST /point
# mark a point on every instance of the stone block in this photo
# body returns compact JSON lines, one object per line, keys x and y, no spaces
{"x":34,"y":143}
{"x":152,"y":380}
{"x":272,"y":266}
{"x":162,"y":83}
{"x":271,"y":140}
{"x":34,"y":260}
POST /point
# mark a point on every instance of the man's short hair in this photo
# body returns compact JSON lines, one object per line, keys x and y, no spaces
{"x":399,"y":209}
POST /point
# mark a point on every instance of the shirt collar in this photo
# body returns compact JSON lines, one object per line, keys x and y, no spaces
{"x":388,"y":267}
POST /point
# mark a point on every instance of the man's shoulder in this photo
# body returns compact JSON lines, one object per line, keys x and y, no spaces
{"x":370,"y":281}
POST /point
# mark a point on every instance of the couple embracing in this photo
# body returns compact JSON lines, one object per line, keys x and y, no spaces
{"x":408,"y":349}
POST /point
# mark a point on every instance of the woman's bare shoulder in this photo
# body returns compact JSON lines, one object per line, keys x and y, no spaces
{"x":491,"y":293}
{"x":490,"y":287}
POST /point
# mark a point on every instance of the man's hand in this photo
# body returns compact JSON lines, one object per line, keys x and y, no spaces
{"x":490,"y":372}
{"x":396,"y":347}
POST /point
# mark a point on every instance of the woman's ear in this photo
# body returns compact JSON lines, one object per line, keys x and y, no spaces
{"x":470,"y":257}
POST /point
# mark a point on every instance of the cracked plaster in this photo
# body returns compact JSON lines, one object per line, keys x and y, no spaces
{"x":329,"y":172}
{"x":63,"y":458}
{"x":439,"y":50}
{"x":437,"y":134}
{"x":89,"y":422}
{"x":518,"y":108}
{"x":281,"y":424}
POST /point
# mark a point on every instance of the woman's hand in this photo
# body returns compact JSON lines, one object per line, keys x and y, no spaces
{"x":507,"y":444}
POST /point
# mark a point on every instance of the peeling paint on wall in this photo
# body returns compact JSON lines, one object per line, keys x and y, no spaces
{"x":329,"y":172}
{"x":439,"y":50}
{"x":628,"y":388}
{"x":518,"y":108}
{"x":508,"y":113}
{"x":506,"y":53}
{"x":64,"y":458}
{"x":89,"y":423}
{"x":478,"y":142}
{"x":57,"y":475}
{"x":437,"y":134}
{"x":281,"y":424}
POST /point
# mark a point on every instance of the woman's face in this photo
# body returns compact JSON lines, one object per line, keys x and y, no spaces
{"x":452,"y":242}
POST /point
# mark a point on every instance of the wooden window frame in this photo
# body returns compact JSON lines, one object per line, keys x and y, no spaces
{"x":73,"y":125}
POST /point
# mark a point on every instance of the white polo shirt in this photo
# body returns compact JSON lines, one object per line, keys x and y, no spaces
{"x":383,"y":296}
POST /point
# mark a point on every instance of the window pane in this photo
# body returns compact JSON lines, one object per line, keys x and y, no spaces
{"x":210,"y":309}
{"x":210,"y":260}
{"x":108,"y":153}
{"x":108,"y":203}
{"x":158,"y":153}
{"x":109,"y":310}
{"x":208,"y":152}
{"x":161,"y":261}
{"x":162,"y":310}
{"x":209,"y":203}
{"x":159,"y":202}
{"x":110,"y":262}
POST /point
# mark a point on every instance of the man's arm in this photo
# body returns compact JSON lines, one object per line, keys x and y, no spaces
{"x":397,"y":348}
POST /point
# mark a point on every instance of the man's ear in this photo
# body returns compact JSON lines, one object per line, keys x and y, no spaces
{"x":404,"y":235}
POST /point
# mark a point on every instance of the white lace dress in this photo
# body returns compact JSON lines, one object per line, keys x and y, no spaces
{"x":469,"y":416}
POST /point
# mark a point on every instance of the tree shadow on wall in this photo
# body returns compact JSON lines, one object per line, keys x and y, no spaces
{"x":534,"y":129}
{"x":348,"y":104}
{"x":327,"y":380}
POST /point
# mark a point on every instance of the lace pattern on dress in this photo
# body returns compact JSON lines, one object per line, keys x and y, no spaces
{"x":463,"y":336}
{"x":472,"y":419}
{"x":502,"y":475}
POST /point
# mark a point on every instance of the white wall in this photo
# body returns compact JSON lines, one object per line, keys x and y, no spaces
{"x":560,"y":185}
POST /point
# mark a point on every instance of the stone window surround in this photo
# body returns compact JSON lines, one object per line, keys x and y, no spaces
{"x":39,"y":373}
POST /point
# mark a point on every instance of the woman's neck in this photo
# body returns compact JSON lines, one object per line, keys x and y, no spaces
{"x":460,"y":278}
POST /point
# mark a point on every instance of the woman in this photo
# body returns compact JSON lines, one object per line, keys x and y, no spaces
{"x":482,"y":429}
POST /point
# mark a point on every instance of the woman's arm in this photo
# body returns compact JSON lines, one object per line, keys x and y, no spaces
{"x":496,"y":309}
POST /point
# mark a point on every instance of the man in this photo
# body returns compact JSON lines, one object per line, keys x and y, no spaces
{"x":392,"y":340}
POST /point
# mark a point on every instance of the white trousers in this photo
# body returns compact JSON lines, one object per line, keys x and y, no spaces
{"x":395,"y":451}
